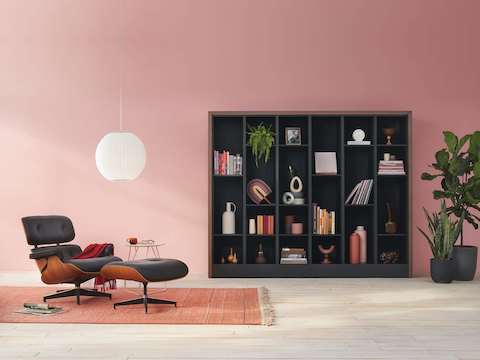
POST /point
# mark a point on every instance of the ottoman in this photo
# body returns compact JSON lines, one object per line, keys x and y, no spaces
{"x":145,"y":271}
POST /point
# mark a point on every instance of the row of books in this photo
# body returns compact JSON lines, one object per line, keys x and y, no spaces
{"x":265,"y":225}
{"x":360,"y":194}
{"x":391,"y":167}
{"x":225,"y":163}
{"x":323,"y":221}
{"x":293,"y":256}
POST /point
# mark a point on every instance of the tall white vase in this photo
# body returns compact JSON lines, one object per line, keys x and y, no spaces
{"x":360,"y":230}
{"x":228,"y":218}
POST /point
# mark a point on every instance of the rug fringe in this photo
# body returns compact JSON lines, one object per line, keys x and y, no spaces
{"x":266,"y":308}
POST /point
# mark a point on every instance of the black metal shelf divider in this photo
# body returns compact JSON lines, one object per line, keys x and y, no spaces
{"x":375,"y":193}
{"x":341,"y":148}
{"x":244,"y":190}
{"x":309,"y":196}
{"x":277,"y":195}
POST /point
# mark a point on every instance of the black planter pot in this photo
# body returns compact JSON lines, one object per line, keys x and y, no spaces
{"x":465,"y":261}
{"x":442,"y":271}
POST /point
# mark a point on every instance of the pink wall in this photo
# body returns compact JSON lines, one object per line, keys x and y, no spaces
{"x":59,"y":79}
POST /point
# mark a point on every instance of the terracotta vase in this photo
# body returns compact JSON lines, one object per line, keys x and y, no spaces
{"x":354,"y":248}
{"x":230,"y":256}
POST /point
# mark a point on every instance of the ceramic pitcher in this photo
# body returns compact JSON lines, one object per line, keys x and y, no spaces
{"x":228,"y":218}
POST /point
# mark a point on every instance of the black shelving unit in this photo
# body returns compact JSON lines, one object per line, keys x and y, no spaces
{"x":320,"y":131}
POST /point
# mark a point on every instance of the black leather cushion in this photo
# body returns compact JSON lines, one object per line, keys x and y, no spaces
{"x":62,"y":251}
{"x":52,"y":229}
{"x":157,"y":269}
{"x":93,"y":265}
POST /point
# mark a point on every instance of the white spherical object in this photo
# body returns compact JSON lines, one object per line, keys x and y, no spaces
{"x":358,"y":135}
{"x":120,"y":156}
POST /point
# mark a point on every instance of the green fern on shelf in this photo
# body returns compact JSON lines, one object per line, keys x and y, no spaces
{"x":261,"y":139}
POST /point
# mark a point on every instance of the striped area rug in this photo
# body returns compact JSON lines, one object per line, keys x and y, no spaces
{"x":219,"y":306}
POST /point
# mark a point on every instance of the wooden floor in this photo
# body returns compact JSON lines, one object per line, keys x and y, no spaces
{"x":315,"y":319}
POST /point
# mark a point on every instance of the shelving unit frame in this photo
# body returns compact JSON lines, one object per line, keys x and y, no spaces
{"x":318,"y":129}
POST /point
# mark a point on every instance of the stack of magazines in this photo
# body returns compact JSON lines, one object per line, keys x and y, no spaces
{"x":293,"y":256}
{"x":39,"y":309}
{"x":391,"y":167}
{"x":226,"y":164}
{"x":360,"y":194}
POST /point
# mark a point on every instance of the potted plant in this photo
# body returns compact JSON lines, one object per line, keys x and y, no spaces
{"x":442,"y":236}
{"x":261,"y":139}
{"x":458,"y":167}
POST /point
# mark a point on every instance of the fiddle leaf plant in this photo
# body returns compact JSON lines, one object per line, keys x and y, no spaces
{"x":261,"y":139}
{"x":458,"y":167}
{"x":443,"y":232}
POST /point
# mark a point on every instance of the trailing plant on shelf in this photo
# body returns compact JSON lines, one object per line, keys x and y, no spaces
{"x":261,"y":139}
{"x":443,"y":232}
{"x":459,"y":171}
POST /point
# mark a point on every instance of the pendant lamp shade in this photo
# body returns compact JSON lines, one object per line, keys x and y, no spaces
{"x":120,"y":156}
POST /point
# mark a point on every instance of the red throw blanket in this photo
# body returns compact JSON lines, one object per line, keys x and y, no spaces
{"x":98,"y":250}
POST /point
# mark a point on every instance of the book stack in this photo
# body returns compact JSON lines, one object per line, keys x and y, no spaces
{"x":226,"y":164}
{"x":323,"y":221}
{"x":265,"y":224}
{"x":292,"y":256}
{"x":391,"y":167}
{"x":360,"y":194}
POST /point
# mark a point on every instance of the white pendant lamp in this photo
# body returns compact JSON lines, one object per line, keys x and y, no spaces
{"x":120,"y":156}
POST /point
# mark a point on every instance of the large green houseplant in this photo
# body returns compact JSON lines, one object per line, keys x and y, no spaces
{"x":458,"y":167}
{"x":442,"y":235}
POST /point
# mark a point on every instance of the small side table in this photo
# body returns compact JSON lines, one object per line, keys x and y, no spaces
{"x":148,"y":245}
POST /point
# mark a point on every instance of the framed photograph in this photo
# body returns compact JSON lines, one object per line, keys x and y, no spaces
{"x":293,"y":136}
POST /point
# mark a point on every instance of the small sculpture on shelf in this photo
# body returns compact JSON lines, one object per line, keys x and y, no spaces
{"x":230,"y":256}
{"x":260,"y":259}
{"x":327,"y":253}
{"x":389,"y":257}
{"x":295,"y":195}
{"x":389,"y":132}
{"x":390,"y":225}
{"x":258,"y":191}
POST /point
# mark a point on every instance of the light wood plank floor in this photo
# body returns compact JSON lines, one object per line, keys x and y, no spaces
{"x":315,"y":319}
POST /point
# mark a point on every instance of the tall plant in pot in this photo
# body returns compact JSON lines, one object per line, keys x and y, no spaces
{"x":442,"y":234}
{"x":458,"y":167}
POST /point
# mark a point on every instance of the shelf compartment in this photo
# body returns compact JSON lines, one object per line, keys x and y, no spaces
{"x":326,"y":133}
{"x":352,"y":122}
{"x":293,"y":121}
{"x":392,"y":243}
{"x":223,"y":192}
{"x":223,"y":243}
{"x":359,"y":216}
{"x":399,"y":123}
{"x":393,"y":190}
{"x":300,"y":214}
{"x":268,"y":245}
{"x":265,"y":172}
{"x":228,"y":134}
{"x":325,"y":241}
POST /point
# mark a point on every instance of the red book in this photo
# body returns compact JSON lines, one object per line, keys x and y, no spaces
{"x":265,"y":225}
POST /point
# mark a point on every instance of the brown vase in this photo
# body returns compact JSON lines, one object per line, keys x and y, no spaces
{"x":354,"y":248}
{"x":230,"y":256}
{"x":260,"y":259}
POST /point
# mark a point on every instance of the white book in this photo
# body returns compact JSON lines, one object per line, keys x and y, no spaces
{"x":352,"y":193}
{"x":332,"y":214}
{"x":326,"y":163}
{"x":369,"y":191}
{"x":356,"y":198}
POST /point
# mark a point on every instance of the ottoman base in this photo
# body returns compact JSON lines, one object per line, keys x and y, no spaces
{"x":145,"y":300}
